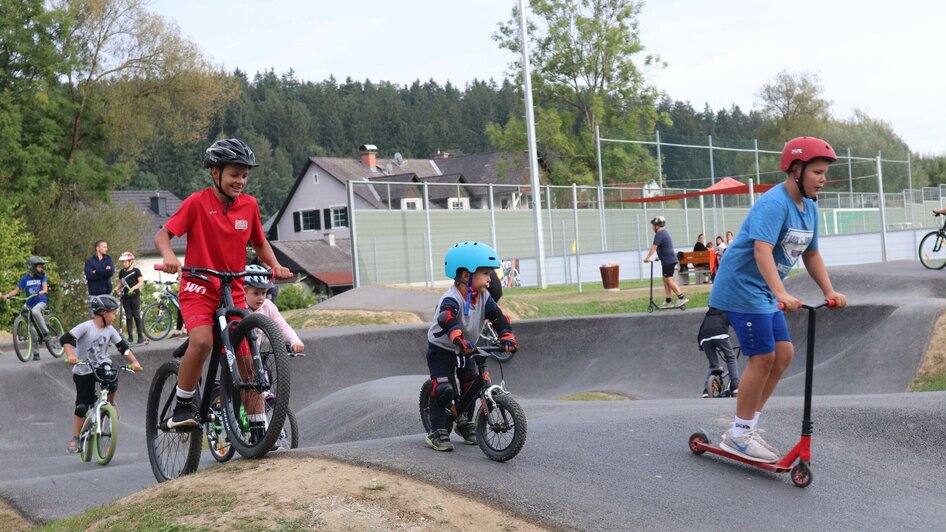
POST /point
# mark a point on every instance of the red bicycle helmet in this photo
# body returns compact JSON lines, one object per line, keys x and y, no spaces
{"x":805,"y":149}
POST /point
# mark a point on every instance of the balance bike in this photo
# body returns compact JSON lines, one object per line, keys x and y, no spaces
{"x":801,"y":471}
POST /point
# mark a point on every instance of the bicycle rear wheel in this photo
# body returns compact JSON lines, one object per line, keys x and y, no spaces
{"x":106,"y":440}
{"x":56,"y":330}
{"x":156,"y":321}
{"x":933,"y":251}
{"x":22,"y":339}
{"x":170,"y":452}
{"x":220,"y":447}
{"x":258,"y":336}
{"x":502,"y":432}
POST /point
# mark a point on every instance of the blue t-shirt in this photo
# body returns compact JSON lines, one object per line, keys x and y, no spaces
{"x":665,"y":251}
{"x":32,"y":286}
{"x":776,"y":219}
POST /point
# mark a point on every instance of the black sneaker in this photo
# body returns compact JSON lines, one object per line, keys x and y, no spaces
{"x":184,"y":416}
{"x":439,"y":440}
{"x":467,"y":430}
{"x":705,"y":393}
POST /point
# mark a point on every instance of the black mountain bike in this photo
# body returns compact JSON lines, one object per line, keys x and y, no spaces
{"x":244,"y":381}
{"x":500,"y":421}
{"x":933,"y":248}
{"x":26,"y":333}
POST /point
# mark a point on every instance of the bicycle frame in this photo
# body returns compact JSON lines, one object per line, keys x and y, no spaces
{"x":482,"y":388}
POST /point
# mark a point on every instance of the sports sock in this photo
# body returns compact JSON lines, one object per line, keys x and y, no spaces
{"x":681,"y":295}
{"x":755,"y":419}
{"x":187,"y":396}
{"x":667,"y":300}
{"x":741,"y":426}
{"x":259,"y":418}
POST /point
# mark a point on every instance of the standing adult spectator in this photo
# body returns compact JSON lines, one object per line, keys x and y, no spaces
{"x":99,"y":270}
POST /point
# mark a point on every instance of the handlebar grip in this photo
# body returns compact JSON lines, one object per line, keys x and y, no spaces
{"x":781,"y":306}
{"x":159,"y":267}
{"x":831,"y":303}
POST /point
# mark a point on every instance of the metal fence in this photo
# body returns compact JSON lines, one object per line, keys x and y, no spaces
{"x":405,"y":242}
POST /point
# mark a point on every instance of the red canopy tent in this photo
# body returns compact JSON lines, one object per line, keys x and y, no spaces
{"x":726,"y":185}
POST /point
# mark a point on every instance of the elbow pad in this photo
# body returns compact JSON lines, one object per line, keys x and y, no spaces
{"x":67,"y":338}
{"x":448,"y":321}
{"x":122,"y":347}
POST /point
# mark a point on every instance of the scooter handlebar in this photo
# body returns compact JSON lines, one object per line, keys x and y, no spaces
{"x":830,"y":303}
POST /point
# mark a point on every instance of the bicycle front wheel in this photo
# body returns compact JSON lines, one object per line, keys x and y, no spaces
{"x":501,"y":432}
{"x":933,"y":251}
{"x":56,"y":330}
{"x":256,"y":338}
{"x":107,"y":437}
{"x":86,"y":439}
{"x":156,"y":320}
{"x":22,"y":339}
{"x":170,"y":452}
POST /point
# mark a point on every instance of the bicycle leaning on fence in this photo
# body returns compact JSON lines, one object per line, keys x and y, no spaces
{"x":158,"y":318}
{"x":933,"y":247}
{"x":99,"y":433}
{"x":26,"y":332}
{"x":236,"y":330}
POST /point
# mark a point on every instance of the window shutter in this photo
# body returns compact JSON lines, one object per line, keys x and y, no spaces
{"x":327,"y":214}
{"x":297,"y":221}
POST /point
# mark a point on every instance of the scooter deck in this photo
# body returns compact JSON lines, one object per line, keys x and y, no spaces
{"x":699,"y":448}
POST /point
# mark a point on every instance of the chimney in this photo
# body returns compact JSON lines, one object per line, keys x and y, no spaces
{"x":159,"y":205}
{"x":441,"y":154}
{"x":369,"y":156}
{"x":330,"y":238}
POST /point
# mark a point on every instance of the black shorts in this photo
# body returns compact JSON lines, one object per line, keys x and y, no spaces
{"x":668,"y":268}
{"x":85,"y":389}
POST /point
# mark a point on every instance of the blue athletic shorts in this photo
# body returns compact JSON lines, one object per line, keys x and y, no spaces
{"x":758,"y":333}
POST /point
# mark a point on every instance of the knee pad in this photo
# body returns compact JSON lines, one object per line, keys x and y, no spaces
{"x":81,"y":410}
{"x":442,"y":391}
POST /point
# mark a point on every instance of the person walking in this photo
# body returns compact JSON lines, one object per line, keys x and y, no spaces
{"x":99,"y":270}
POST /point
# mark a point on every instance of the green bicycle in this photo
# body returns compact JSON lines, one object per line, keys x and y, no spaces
{"x":99,"y":433}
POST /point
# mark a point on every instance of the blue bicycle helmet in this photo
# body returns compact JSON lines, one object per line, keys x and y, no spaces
{"x":258,"y":281}
{"x":470,"y":256}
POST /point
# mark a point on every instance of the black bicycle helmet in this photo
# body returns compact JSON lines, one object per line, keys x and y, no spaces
{"x":34,"y":261}
{"x":102,"y":303}
{"x":229,"y":151}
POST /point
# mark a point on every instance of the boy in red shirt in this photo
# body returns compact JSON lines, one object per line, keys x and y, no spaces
{"x":218,"y":222}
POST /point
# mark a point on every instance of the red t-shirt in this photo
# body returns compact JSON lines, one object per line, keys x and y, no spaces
{"x":214,"y":239}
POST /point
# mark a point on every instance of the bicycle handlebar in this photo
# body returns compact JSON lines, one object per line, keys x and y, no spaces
{"x":126,"y":367}
{"x":492,"y":351}
{"x":192,"y":270}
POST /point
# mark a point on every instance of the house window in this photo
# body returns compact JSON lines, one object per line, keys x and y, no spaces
{"x":306,"y":221}
{"x":459,"y":203}
{"x":339,"y":216}
{"x":412,"y":204}
{"x":315,"y":178}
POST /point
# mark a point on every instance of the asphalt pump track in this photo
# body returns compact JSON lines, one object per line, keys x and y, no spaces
{"x":878,"y":457}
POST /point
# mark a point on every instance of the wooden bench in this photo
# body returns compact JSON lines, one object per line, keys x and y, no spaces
{"x":700,"y":263}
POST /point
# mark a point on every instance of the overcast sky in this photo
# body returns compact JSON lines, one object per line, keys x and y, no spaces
{"x":885,"y":58}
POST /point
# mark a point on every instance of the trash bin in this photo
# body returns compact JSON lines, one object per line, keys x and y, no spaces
{"x":609,"y":277}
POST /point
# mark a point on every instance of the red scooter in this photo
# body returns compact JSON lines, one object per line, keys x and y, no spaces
{"x":801,"y":471}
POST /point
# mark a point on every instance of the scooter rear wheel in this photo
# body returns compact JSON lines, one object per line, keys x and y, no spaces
{"x":696,"y":439}
{"x":802,"y":475}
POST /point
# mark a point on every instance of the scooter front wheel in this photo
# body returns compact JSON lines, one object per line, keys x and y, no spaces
{"x":697,"y":439}
{"x":651,"y":308}
{"x":802,"y":475}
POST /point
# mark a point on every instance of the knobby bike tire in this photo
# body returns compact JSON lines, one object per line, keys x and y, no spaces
{"x":105,"y":443}
{"x":213,"y":434}
{"x":56,"y":330}
{"x":22,"y":339}
{"x":423,"y":404}
{"x":293,"y":430}
{"x":928,"y":262}
{"x":277,"y":361}
{"x":171,"y":453}
{"x":506,"y":410}
{"x":156,"y":320}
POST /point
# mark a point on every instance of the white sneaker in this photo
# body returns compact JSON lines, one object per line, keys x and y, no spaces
{"x":667,"y":305}
{"x":747,"y":446}
{"x":682,"y":301}
{"x":758,"y":437}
